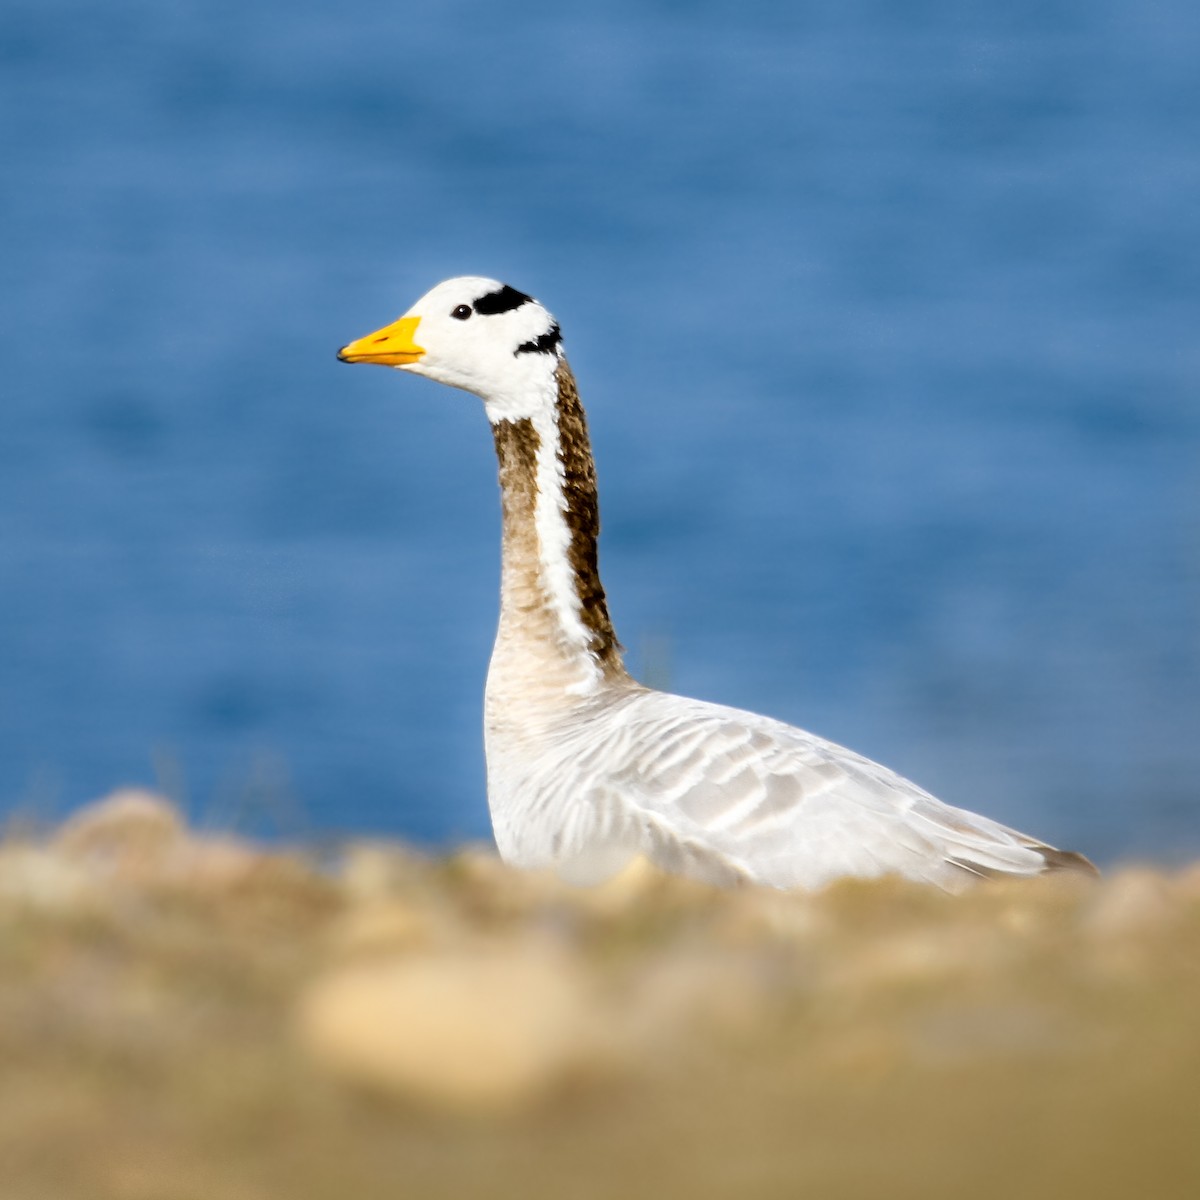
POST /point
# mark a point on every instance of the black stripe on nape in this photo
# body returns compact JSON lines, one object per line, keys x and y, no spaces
{"x":505,"y":300}
{"x":546,"y":344}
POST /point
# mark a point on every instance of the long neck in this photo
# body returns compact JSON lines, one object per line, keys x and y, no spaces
{"x":554,"y":625}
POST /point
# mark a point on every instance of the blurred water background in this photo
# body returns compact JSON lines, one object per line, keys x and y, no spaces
{"x":885,"y":315}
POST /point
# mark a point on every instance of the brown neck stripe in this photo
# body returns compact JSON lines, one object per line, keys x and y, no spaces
{"x":583,"y":514}
{"x":517,"y":447}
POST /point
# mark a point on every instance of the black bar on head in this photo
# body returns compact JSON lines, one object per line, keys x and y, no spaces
{"x":546,"y":344}
{"x":505,"y":300}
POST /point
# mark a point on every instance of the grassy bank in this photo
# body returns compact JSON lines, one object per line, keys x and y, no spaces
{"x":190,"y":1017}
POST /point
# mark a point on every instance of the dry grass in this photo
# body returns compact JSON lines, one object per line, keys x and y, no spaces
{"x":190,"y":1019}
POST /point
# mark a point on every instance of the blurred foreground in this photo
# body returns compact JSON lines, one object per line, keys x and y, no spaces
{"x":183,"y":1016}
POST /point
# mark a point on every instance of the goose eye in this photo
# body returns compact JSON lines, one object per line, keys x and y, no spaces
{"x":462,"y":312}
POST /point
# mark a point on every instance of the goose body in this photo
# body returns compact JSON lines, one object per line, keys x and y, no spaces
{"x":587,"y":769}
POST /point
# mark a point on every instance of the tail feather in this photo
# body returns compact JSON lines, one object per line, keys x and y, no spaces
{"x":1065,"y":860}
{"x":1052,"y":860}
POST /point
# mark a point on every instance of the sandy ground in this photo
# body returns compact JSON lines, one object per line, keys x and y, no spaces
{"x":187,"y":1017}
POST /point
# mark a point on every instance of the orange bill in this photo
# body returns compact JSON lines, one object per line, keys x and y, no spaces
{"x":391,"y":346}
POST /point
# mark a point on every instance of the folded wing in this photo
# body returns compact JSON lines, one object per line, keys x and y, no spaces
{"x":722,"y":795}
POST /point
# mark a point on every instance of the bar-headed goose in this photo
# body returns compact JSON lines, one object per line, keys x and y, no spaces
{"x":587,"y":769}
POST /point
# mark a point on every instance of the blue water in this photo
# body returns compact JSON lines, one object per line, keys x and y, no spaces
{"x":887,"y":320}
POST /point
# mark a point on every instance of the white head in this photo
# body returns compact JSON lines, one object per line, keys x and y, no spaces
{"x":476,"y":334}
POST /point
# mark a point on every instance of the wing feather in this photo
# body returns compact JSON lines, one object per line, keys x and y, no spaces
{"x":726,"y":795}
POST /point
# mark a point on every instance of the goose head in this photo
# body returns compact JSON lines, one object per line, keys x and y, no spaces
{"x":476,"y":334}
